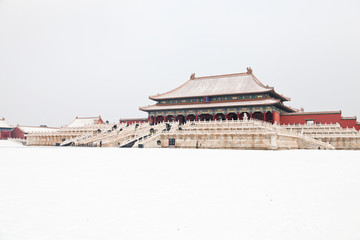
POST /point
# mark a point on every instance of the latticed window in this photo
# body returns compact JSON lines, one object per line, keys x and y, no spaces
{"x":171,"y":141}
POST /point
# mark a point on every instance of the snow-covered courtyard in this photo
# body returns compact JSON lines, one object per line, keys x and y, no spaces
{"x":167,"y":194}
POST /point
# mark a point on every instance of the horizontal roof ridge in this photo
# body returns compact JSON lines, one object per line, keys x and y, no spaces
{"x":313,"y":113}
{"x":88,"y":117}
{"x":222,"y":75}
{"x":35,"y":126}
{"x":349,"y":118}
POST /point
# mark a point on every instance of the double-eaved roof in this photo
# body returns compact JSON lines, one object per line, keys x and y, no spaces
{"x":219,"y":85}
{"x":230,"y":84}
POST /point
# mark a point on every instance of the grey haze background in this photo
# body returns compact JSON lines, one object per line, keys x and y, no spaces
{"x":68,"y":58}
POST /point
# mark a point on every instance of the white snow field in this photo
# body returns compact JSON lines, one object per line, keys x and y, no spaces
{"x":170,"y":194}
{"x":9,"y":143}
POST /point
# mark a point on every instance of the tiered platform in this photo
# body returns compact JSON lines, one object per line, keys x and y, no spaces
{"x":227,"y":134}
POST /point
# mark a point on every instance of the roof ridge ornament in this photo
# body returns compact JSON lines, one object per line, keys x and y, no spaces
{"x":249,"y":70}
{"x":192,"y":76}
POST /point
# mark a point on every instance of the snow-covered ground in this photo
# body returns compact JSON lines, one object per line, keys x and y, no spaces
{"x":170,"y":194}
{"x":10,"y":143}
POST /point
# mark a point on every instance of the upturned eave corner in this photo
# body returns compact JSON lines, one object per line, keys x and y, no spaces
{"x":143,"y":109}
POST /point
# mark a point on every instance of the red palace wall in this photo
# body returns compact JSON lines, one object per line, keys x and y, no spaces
{"x":350,"y":123}
{"x":4,"y":134}
{"x":319,"y":118}
{"x":17,"y":133}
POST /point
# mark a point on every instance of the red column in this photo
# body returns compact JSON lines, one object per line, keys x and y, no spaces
{"x":185,"y":117}
{"x":250,"y":115}
{"x":238,"y":116}
{"x":155,"y":119}
{"x":174,"y":118}
{"x":164,"y":118}
{"x":264,"y":116}
{"x":225,"y":116}
{"x":214,"y":117}
{"x":276,"y":117}
{"x":196,"y":117}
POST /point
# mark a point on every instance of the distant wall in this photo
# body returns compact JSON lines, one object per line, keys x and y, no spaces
{"x":5,"y":133}
{"x":320,"y":117}
{"x":350,"y":123}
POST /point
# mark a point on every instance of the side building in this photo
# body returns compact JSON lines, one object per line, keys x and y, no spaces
{"x":5,"y":129}
{"x":21,"y":132}
{"x":81,"y":126}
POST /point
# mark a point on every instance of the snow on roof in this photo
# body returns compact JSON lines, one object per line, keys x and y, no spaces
{"x":239,"y":83}
{"x":32,"y":129}
{"x":85,"y":121}
{"x":3,"y":123}
{"x":211,"y":105}
{"x":312,"y":113}
{"x":348,"y":118}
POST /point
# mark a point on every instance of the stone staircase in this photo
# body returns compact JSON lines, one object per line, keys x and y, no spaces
{"x":231,"y":134}
{"x":234,"y":134}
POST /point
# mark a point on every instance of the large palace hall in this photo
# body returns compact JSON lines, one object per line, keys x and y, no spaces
{"x":231,"y":97}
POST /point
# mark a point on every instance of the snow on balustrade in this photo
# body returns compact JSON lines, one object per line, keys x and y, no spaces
{"x":106,"y":135}
{"x":65,"y":133}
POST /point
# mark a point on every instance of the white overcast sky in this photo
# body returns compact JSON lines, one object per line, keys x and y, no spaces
{"x":68,"y":58}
